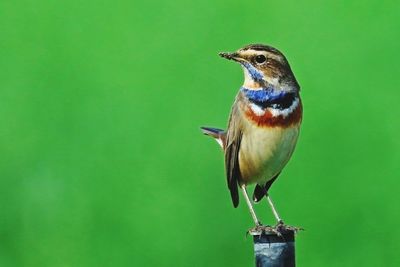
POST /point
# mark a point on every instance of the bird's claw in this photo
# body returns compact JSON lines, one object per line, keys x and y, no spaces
{"x":279,"y":229}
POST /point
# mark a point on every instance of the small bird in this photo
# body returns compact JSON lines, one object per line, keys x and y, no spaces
{"x":263,"y":126}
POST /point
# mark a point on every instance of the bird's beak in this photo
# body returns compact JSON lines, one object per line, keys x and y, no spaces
{"x":231,"y":56}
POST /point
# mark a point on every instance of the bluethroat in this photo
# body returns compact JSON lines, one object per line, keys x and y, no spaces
{"x":263,"y":125}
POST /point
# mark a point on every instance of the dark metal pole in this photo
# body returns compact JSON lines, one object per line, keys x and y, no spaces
{"x":272,"y":249}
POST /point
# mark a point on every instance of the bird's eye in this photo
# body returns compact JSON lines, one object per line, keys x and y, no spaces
{"x":260,"y":59}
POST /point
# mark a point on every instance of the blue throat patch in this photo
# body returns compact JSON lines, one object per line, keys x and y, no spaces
{"x":263,"y":95}
{"x":268,"y":97}
{"x":254,"y":73}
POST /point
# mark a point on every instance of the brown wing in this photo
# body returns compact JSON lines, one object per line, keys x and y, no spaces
{"x":233,"y":139}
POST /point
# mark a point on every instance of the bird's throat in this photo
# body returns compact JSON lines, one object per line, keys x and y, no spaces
{"x":270,"y":98}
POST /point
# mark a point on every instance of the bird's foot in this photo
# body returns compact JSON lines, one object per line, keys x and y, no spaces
{"x":264,"y":229}
{"x":279,"y":229}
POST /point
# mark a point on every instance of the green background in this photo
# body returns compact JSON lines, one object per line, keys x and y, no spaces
{"x":102,"y":162}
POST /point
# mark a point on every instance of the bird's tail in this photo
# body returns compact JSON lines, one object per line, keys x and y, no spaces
{"x":218,"y":134}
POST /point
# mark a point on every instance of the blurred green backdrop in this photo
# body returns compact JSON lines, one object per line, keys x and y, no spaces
{"x":102,"y":161}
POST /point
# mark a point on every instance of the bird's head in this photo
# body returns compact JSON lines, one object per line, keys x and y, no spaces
{"x":264,"y":66}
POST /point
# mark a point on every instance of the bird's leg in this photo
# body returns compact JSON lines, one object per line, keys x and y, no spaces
{"x":252,"y":212}
{"x":278,"y":218}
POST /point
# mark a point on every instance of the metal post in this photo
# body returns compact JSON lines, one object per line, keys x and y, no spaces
{"x":272,"y":249}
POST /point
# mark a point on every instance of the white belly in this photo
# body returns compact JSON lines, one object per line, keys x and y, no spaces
{"x":265,"y":151}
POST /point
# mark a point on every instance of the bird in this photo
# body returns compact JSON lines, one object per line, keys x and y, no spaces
{"x":263,"y":126}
